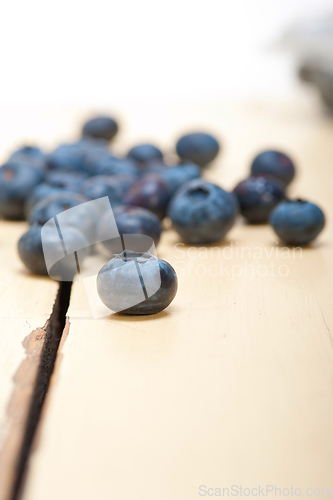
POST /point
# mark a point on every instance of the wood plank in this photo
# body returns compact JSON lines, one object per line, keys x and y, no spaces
{"x":26,"y":303}
{"x":232,"y":384}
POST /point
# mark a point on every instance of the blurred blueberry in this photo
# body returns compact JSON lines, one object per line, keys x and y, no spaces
{"x":258,"y":196}
{"x":35,"y":161}
{"x":150,"y":192}
{"x":297,"y":222}
{"x":202,"y":212}
{"x":144,"y":153}
{"x":91,"y":159}
{"x":70,"y":180}
{"x":130,"y":220}
{"x":103,"y":127}
{"x":40,"y":192}
{"x":274,"y":164}
{"x":66,"y":156}
{"x":120,"y":290}
{"x":84,"y":217}
{"x":38,"y":241}
{"x":17,"y":180}
{"x":124,"y":183}
{"x":180,"y":174}
{"x":102,"y":185}
{"x":198,"y":148}
{"x":31,"y":151}
{"x":110,"y":165}
{"x":156,"y":166}
{"x":87,"y":144}
{"x":81,"y":155}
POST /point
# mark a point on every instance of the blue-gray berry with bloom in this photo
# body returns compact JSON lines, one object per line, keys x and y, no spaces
{"x":202,"y":212}
{"x":297,"y":222}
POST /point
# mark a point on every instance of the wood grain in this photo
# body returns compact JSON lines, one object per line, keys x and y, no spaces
{"x":232,"y":384}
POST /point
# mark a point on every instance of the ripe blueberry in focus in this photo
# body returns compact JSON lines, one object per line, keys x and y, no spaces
{"x":17,"y":179}
{"x":137,"y":283}
{"x":198,"y":148}
{"x":150,"y":192}
{"x":297,"y":222}
{"x":130,"y":220}
{"x":202,"y":212}
{"x":258,"y":196}
{"x":38,"y":241}
{"x":101,"y":127}
{"x":144,"y":153}
{"x":274,"y":164}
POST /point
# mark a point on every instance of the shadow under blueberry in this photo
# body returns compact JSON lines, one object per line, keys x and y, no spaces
{"x":226,"y":242}
{"x":314,"y":245}
{"x":123,"y":317}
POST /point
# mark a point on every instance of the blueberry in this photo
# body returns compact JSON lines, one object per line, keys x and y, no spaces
{"x":35,"y":161}
{"x":88,"y":143}
{"x":110,"y":165}
{"x":150,"y":192}
{"x":66,"y":156}
{"x":84,"y":217}
{"x":69,"y":180}
{"x":81,"y":155}
{"x":137,"y":283}
{"x":198,"y":148}
{"x":31,"y":151}
{"x":274,"y":164}
{"x":144,"y":153}
{"x":103,"y":127}
{"x":130,"y":221}
{"x":17,"y":179}
{"x":156,"y":166}
{"x":53,"y":205}
{"x":258,"y":196}
{"x":38,"y":241}
{"x":180,"y":174}
{"x":91,"y":159}
{"x":202,"y":212}
{"x":297,"y":222}
{"x":102,"y":185}
{"x":40,"y":192}
{"x":124,"y":183}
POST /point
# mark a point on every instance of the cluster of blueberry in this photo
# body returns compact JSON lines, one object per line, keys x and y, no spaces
{"x":262,"y":198}
{"x":142,"y":190}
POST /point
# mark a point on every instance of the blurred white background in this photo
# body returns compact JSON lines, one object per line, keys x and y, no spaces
{"x":113,"y":53}
{"x":161,"y":68}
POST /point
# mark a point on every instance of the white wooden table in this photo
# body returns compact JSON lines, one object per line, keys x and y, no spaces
{"x":232,"y":384}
